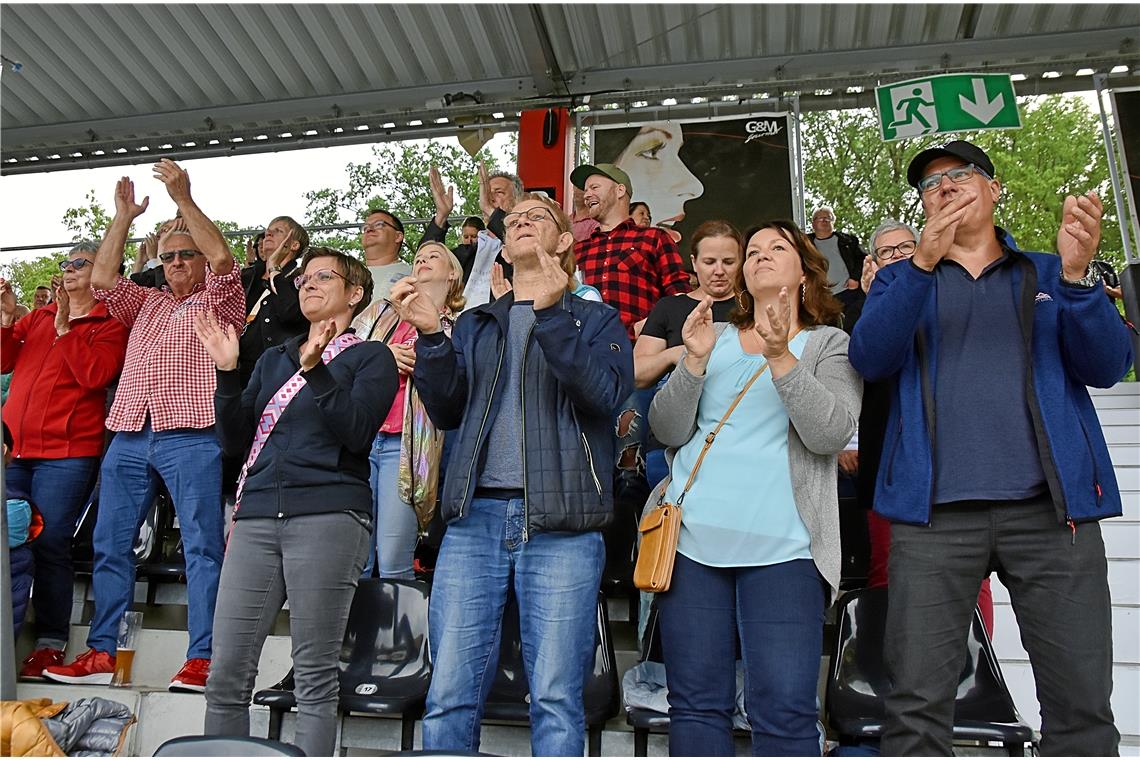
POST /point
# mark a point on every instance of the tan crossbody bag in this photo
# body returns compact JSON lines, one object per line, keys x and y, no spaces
{"x":661,"y":528}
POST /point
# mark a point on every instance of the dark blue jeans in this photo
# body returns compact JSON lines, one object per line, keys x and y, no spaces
{"x":555,"y":578}
{"x":59,"y":488}
{"x":778,"y":612}
{"x":190,"y":463}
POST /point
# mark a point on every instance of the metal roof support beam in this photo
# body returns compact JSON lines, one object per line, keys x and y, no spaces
{"x":540,"y":56}
{"x":1009,"y":54}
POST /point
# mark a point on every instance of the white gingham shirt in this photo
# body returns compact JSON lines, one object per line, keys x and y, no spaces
{"x":168,"y":373}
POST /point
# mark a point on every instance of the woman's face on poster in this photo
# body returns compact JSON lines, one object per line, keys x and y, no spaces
{"x":660,"y":179}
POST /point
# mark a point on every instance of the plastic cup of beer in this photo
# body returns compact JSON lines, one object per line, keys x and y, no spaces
{"x":129,"y":629}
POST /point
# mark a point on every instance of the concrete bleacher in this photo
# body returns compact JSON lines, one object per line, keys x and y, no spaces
{"x":162,"y":715}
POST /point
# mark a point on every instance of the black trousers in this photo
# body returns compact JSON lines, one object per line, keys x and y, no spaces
{"x":1058,"y":585}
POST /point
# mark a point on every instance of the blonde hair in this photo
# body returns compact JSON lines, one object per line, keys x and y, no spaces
{"x":561,"y":220}
{"x":455,"y":300}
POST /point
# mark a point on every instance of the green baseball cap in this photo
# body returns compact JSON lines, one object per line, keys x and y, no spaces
{"x":579,"y":176}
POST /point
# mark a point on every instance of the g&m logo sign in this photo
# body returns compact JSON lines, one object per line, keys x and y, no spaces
{"x":761,"y":128}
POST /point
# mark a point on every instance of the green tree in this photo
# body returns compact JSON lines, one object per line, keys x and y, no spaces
{"x":88,"y":222}
{"x":1058,"y":151}
{"x":397,"y":180}
{"x":26,"y":276}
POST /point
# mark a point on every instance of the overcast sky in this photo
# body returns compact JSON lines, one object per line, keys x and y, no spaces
{"x":249,"y":190}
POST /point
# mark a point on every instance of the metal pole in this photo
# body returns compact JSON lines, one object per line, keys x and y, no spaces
{"x":1121,"y":211}
{"x":7,"y":628}
{"x":798,"y":212}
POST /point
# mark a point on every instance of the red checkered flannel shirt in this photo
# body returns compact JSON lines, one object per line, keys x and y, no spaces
{"x":633,"y":267}
{"x":167,"y":371}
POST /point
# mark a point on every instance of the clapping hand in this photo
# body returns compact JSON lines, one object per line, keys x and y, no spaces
{"x":1079,"y":236}
{"x":175,"y":178}
{"x":699,"y":337}
{"x":414,"y":307}
{"x":551,"y":287}
{"x":500,"y":285}
{"x":312,"y":349}
{"x":7,"y":301}
{"x":774,"y":338}
{"x":405,"y":358}
{"x":486,"y":203}
{"x":444,"y":199}
{"x":125,"y":200}
{"x":870,"y":269}
{"x":220,"y":341}
{"x":938,"y":234}
{"x":62,"y":305}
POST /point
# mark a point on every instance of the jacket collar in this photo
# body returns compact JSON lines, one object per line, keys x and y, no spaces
{"x":500,"y":308}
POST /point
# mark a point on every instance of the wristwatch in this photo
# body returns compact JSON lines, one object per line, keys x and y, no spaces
{"x":1090,"y":280}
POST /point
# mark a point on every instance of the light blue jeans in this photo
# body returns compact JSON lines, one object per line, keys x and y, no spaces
{"x":396,"y":531}
{"x":555,"y":578}
{"x":189,"y":461}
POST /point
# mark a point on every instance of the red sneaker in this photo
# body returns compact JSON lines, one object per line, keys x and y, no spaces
{"x":192,"y":677}
{"x":33,"y":665}
{"x":92,"y":666}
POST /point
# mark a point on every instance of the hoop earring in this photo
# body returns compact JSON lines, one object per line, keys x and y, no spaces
{"x":803,"y":292}
{"x":740,"y":301}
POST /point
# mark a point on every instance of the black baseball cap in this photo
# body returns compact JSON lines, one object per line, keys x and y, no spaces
{"x":966,"y":151}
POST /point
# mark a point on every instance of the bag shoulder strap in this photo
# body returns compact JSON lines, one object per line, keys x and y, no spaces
{"x":712,"y":436}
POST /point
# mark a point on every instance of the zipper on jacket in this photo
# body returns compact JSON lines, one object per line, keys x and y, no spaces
{"x":479,"y":435}
{"x":522,"y":399}
{"x":1073,"y":527}
{"x":1092,"y":457}
{"x":590,"y":462}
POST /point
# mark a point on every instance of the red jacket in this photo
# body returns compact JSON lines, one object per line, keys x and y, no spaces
{"x":58,"y":397}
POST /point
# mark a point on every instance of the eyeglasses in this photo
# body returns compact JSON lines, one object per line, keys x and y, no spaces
{"x":378,"y":225}
{"x":185,"y":255}
{"x":896,"y":252}
{"x":957,"y":175}
{"x":536,"y":214}
{"x":321,"y":275}
{"x":73,"y":265}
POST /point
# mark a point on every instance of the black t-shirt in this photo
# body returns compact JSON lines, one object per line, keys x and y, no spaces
{"x":670,"y":313}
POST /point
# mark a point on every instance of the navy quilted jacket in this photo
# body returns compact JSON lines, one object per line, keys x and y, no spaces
{"x":579,"y":368}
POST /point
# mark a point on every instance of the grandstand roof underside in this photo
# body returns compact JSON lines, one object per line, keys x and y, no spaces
{"x":117,"y":84}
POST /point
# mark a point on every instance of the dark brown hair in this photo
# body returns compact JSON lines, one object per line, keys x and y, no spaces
{"x":354,"y":272}
{"x":817,"y":306}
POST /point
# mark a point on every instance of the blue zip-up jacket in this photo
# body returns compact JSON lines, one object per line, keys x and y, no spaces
{"x":1074,"y":338}
{"x":579,"y":368}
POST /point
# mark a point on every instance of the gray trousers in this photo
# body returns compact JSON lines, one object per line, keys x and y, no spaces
{"x":315,"y":562}
{"x":1058,"y":585}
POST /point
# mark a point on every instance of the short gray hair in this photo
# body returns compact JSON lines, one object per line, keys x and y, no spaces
{"x":514,"y":179}
{"x":86,"y":246}
{"x":889,"y":225}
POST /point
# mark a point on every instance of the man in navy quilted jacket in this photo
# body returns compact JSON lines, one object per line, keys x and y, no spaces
{"x":531,"y":381}
{"x":994,"y":458}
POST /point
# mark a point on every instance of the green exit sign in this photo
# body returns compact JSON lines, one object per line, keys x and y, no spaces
{"x":946,"y":103}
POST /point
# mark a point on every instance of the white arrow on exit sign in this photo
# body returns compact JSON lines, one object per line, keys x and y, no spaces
{"x":981,"y":107}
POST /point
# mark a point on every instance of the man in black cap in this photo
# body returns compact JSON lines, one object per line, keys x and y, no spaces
{"x":995,"y":460}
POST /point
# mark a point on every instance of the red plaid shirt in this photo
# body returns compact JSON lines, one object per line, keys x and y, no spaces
{"x":168,"y":373}
{"x":633,"y":267}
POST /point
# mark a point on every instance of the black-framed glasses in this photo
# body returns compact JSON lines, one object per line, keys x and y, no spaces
{"x":957,"y":175}
{"x":377,"y":226}
{"x":73,"y":265}
{"x":536,"y":214}
{"x":895,"y":252}
{"x":321,"y":275}
{"x":185,"y":255}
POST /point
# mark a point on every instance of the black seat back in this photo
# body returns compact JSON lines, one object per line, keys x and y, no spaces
{"x":225,"y":746}
{"x":509,"y":698}
{"x":385,"y":649}
{"x":858,"y":678}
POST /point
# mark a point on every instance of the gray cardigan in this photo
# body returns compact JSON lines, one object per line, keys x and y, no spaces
{"x":822,"y":395}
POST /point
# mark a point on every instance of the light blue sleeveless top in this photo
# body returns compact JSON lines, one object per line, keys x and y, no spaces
{"x":740,"y":511}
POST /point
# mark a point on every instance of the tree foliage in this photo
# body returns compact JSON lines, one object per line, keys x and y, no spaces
{"x":397,"y":180}
{"x":1058,"y":151}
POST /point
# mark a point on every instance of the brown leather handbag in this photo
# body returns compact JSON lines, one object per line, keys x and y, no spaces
{"x":661,"y":527}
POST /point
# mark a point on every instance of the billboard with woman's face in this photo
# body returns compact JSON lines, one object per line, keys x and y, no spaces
{"x":738,"y":169}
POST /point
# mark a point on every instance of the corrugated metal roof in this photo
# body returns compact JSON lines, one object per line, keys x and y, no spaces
{"x":112,"y":79}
